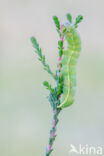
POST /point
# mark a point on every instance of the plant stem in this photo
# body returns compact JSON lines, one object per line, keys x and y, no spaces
{"x":53,"y":131}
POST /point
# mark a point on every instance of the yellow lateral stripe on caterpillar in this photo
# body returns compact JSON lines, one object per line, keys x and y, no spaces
{"x":65,"y":100}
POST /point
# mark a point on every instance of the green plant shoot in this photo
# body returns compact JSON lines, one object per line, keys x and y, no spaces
{"x":62,"y":95}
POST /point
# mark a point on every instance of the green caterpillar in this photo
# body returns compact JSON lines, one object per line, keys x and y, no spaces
{"x":69,"y":60}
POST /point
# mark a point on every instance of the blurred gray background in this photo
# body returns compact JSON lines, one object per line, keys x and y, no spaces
{"x":25,"y":114}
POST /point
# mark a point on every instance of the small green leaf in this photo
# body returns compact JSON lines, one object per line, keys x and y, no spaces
{"x":57,"y":23}
{"x":64,"y":30}
{"x":43,"y":59}
{"x":78,"y":20}
{"x":60,"y":53}
{"x":69,"y":17}
{"x":48,"y":86}
{"x":60,"y":43}
{"x":59,"y":89}
{"x":60,"y":47}
{"x":34,"y":42}
{"x":45,"y":83}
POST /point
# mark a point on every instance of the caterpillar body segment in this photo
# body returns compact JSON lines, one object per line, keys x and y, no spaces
{"x":69,"y":61}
